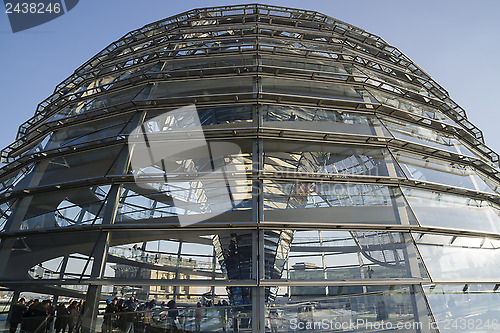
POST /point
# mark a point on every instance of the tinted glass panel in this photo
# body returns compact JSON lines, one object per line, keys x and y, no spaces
{"x":455,"y":308}
{"x":461,"y":261}
{"x":426,"y":136}
{"x":328,"y":159}
{"x":440,"y":171}
{"x":334,"y":202}
{"x":435,"y":209}
{"x":350,"y":309}
{"x":321,"y":120}
{"x":346,"y":256}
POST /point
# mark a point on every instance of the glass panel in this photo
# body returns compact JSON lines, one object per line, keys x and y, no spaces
{"x":171,"y":307}
{"x":66,"y":208}
{"x":72,"y":266}
{"x":328,"y":159}
{"x":81,"y":134}
{"x":321,"y":120}
{"x":457,"y":241}
{"x":10,"y":180}
{"x":421,"y":135}
{"x":178,"y":185}
{"x":394,"y":81}
{"x":119,"y":97}
{"x":348,"y":255}
{"x":469,"y":308}
{"x":42,"y":256}
{"x":410,"y":106}
{"x":350,"y":309}
{"x":192,"y":258}
{"x":322,"y":69}
{"x":439,"y":171}
{"x":87,"y":103}
{"x":196,"y":87}
{"x":200,"y":63}
{"x":334,"y":203}
{"x":174,"y":264}
{"x":187,"y":255}
{"x":207,"y":116}
{"x":197,"y":197}
{"x":226,"y":115}
{"x":72,"y":167}
{"x":315,"y":89}
{"x":460,"y":260}
{"x":5,"y":211}
{"x":104,"y":77}
{"x":436,"y":209}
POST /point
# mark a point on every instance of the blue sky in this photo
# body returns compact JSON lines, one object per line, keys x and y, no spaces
{"x":456,"y":42}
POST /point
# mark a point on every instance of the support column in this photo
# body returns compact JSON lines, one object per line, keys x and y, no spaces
{"x":13,"y":301}
{"x":100,"y":256}
{"x":64,"y":264}
{"x":259,"y":292}
{"x":101,"y":248}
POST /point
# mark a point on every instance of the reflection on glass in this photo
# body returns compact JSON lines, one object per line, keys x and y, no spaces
{"x":165,"y":259}
{"x":72,"y":167}
{"x":206,"y":116}
{"x":339,"y":71}
{"x":322,"y":120}
{"x":435,"y":209}
{"x":334,"y":203}
{"x":422,"y":135}
{"x":66,"y":208}
{"x":200,"y":308}
{"x":207,"y":87}
{"x":76,"y":266}
{"x":5,"y":211}
{"x":315,"y":89}
{"x":410,"y":106}
{"x":10,"y":180}
{"x":328,"y":159}
{"x":394,"y":81}
{"x":346,"y":256}
{"x":157,"y":201}
{"x":465,"y":308}
{"x":440,"y":171}
{"x":350,"y":308}
{"x":168,"y":67}
{"x":462,"y":263}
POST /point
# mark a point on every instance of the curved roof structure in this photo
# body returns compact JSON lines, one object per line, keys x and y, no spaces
{"x":286,"y":162}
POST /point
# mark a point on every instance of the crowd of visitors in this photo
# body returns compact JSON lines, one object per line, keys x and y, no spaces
{"x":127,"y":316}
{"x":37,"y":316}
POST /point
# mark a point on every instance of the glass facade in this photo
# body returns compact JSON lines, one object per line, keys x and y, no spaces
{"x":253,"y":169}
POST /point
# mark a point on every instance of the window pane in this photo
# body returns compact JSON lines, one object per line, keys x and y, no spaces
{"x":426,"y":136}
{"x":315,"y":89}
{"x":410,"y":106}
{"x":350,"y":309}
{"x":328,"y":159}
{"x":475,"y":310}
{"x":346,"y":256}
{"x":439,"y":171}
{"x":460,"y":260}
{"x":436,"y":209}
{"x":325,"y":120}
{"x":196,"y":87}
{"x":334,"y":203}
